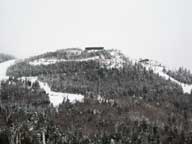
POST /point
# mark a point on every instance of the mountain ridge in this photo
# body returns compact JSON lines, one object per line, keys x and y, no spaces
{"x":95,"y":97}
{"x":103,"y":58}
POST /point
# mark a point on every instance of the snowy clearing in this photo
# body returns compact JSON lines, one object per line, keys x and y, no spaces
{"x":115,"y":62}
{"x":43,"y":61}
{"x":158,"y":69}
{"x":55,"y":98}
{"x":3,"y":69}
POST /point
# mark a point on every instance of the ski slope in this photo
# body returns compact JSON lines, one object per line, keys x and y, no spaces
{"x":50,"y":61}
{"x":3,"y":69}
{"x":116,"y":60}
{"x":55,"y":98}
{"x":158,"y":69}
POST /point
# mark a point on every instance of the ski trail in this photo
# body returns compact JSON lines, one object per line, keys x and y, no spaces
{"x":159,"y":70}
{"x":3,"y":69}
{"x":55,"y":98}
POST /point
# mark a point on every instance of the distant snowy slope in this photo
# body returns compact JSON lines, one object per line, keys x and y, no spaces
{"x":159,"y":69}
{"x":44,"y":61}
{"x":55,"y":98}
{"x":3,"y":68}
{"x":108,"y":58}
{"x":116,"y":61}
{"x":105,"y":58}
{"x":5,"y":57}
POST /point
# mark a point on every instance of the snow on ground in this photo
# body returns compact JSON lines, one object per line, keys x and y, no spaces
{"x":158,"y":69}
{"x":116,"y":60}
{"x":43,"y":61}
{"x":55,"y":98}
{"x":3,"y":69}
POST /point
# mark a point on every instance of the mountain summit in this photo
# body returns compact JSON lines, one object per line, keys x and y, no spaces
{"x":95,"y":94}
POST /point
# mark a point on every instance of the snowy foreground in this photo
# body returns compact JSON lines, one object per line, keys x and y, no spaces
{"x":55,"y":98}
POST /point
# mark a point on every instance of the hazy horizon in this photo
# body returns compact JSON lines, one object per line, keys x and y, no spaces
{"x":159,"y":30}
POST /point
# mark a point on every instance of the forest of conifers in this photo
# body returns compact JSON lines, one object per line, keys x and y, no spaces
{"x":138,"y":106}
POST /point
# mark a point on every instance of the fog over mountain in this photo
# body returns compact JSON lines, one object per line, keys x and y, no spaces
{"x":159,"y":29}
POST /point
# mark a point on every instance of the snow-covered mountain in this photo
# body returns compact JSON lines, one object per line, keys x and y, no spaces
{"x":107,"y":58}
{"x":111,"y":59}
{"x":106,"y":92}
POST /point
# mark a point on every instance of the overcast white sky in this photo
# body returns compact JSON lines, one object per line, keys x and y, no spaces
{"x":157,"y":29}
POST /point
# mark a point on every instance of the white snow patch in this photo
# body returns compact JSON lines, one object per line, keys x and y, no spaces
{"x":56,"y":98}
{"x":44,"y":61}
{"x":158,"y":69}
{"x":116,"y":60}
{"x":103,"y":100}
{"x":3,"y":69}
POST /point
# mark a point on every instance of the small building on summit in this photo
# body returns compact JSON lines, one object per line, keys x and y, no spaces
{"x":94,"y":48}
{"x":144,"y":60}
